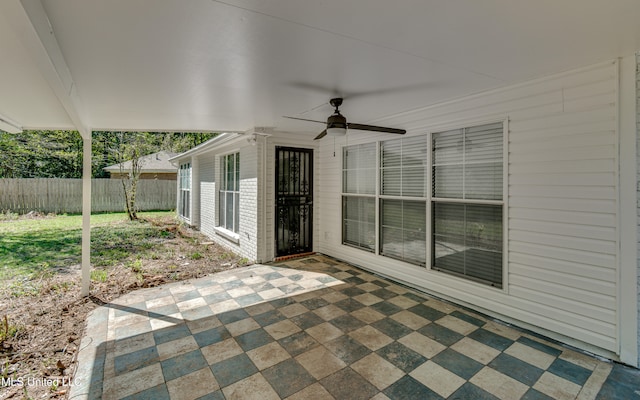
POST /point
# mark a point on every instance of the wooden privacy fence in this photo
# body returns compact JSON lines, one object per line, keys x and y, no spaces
{"x":55,"y":195}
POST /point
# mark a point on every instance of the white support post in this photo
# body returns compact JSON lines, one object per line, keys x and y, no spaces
{"x":86,"y":215}
{"x":628,"y":261}
{"x":30,"y":22}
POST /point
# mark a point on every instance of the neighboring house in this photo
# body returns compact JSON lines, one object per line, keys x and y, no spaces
{"x":508,"y":202}
{"x":154,"y":166}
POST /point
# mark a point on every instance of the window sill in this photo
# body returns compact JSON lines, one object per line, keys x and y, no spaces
{"x":227,"y":234}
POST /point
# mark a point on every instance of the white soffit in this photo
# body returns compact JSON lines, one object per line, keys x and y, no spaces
{"x":26,"y":98}
{"x":510,"y":40}
{"x":231,"y":65}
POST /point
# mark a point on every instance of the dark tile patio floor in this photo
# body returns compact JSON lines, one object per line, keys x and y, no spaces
{"x":317,"y":328}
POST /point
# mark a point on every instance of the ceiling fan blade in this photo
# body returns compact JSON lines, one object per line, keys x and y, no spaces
{"x":321,"y":135}
{"x":314,"y":87}
{"x":363,"y":127}
{"x":304,"y":119}
{"x":334,"y":91}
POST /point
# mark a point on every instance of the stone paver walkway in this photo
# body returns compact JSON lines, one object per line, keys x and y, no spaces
{"x":316,"y":328}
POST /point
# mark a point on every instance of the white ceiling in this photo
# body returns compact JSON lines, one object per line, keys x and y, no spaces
{"x":235,"y":64}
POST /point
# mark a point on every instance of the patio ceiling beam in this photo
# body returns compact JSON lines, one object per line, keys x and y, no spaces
{"x":30,"y":21}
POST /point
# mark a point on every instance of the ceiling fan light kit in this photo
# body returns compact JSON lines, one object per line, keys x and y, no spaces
{"x":336,"y":131}
{"x":337,"y":124}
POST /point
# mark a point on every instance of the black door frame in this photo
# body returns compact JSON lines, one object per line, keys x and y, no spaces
{"x":293,"y":202}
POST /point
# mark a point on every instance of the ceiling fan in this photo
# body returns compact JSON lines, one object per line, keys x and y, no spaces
{"x":337,"y":124}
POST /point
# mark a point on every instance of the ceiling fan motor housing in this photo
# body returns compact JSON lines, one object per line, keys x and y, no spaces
{"x":337,"y":120}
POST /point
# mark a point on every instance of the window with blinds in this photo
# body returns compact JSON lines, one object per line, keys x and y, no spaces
{"x":388,"y":195}
{"x":359,"y":222}
{"x":358,"y":196}
{"x":229,"y":194}
{"x":467,"y":163}
{"x":467,"y":202}
{"x":403,"y":233}
{"x":359,"y":169}
{"x":403,"y":192}
{"x":403,"y":167}
{"x":184,"y":198}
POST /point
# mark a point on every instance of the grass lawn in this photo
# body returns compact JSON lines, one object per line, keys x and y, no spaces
{"x":42,"y":313}
{"x":29,"y":247}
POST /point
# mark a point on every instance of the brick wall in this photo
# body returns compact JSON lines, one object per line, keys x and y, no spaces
{"x":249,"y":202}
{"x":209,"y":174}
{"x":207,"y":198}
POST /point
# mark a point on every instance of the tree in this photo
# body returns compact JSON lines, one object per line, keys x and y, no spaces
{"x":179,"y":142}
{"x":58,"y":154}
{"x":131,"y":147}
{"x":41,"y":154}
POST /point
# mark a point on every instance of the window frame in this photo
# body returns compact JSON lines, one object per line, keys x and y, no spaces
{"x":184,"y":190}
{"x":223,"y":195}
{"x":345,"y":194}
{"x":429,"y":199}
{"x":403,"y":198}
{"x":503,"y":203}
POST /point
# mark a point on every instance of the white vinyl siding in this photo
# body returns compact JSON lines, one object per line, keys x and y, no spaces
{"x":560,"y":210}
{"x":563,"y":206}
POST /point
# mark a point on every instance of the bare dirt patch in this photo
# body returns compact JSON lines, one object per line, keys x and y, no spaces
{"x":42,"y":320}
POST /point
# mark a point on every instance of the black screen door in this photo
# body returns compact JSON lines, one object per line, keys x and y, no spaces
{"x":294,"y":200}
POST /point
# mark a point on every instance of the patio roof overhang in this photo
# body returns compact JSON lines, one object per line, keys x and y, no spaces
{"x":233,"y":65}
